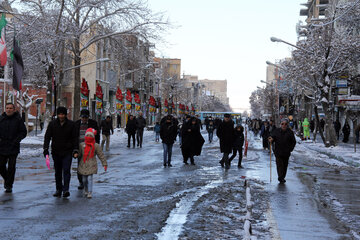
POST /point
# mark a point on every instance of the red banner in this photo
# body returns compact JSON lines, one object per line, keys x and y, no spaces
{"x":119,"y":95}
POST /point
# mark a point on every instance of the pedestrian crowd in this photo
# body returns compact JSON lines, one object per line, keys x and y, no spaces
{"x":81,"y":140}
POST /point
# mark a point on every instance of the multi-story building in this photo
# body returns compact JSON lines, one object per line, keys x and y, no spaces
{"x":216,"y":88}
{"x":168,"y":78}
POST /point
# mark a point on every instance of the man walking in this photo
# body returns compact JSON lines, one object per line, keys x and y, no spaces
{"x":285,"y":142}
{"x":81,"y":126}
{"x":168,"y":132}
{"x":106,"y":127}
{"x":12,"y":131}
{"x":64,"y":146}
{"x":225,"y":133}
{"x":131,"y":129}
{"x":140,"y":125}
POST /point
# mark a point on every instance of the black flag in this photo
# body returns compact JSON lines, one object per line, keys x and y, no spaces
{"x":18,"y":66}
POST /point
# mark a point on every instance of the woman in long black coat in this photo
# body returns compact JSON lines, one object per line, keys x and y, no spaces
{"x":192,"y":140}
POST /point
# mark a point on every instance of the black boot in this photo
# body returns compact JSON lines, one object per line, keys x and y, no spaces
{"x":57,"y":193}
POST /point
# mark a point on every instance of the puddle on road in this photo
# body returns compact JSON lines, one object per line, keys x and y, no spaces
{"x":178,"y":215}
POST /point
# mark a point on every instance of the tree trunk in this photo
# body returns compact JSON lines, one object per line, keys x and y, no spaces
{"x":330,"y":138}
{"x":49,"y":92}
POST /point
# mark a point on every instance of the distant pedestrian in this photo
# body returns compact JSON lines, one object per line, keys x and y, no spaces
{"x":210,"y":129}
{"x":225,"y":133}
{"x":81,"y":126}
{"x":337,"y":126}
{"x":157,"y":131}
{"x":42,"y":120}
{"x":357,"y":133}
{"x":192,"y":140}
{"x":131,"y":129}
{"x":238,"y":144}
{"x":265,"y":133}
{"x":12,"y":131}
{"x":346,"y":132}
{"x":285,"y":142}
{"x":89,"y":149}
{"x":312,"y":125}
{"x":118,"y":121}
{"x":168,"y":132}
{"x":140,"y":125}
{"x":322,"y":124}
{"x":306,"y":129}
{"x":64,"y":145}
{"x":106,"y":128}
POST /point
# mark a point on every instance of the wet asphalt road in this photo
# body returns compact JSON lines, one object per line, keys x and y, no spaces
{"x":139,"y":199}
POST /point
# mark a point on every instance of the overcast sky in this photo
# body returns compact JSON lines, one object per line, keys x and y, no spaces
{"x":229,"y":39}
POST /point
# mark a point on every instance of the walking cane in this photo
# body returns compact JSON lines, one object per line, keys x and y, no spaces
{"x":270,"y":159}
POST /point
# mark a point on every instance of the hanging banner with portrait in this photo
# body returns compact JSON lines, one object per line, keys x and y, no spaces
{"x":119,"y":101}
{"x":99,"y":99}
{"x":128,"y":101}
{"x":84,"y":95}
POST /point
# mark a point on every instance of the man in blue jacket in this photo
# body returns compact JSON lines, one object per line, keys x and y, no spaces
{"x":12,"y":131}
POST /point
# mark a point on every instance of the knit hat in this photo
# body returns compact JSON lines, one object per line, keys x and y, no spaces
{"x":84,"y":113}
{"x":90,"y":132}
{"x":226,"y":115}
{"x":61,"y":110}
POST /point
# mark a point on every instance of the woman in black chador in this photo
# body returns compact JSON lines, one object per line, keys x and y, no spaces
{"x":192,"y":140}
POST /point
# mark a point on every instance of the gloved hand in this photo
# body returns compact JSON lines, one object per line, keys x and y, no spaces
{"x":105,"y":168}
{"x":46,"y":152}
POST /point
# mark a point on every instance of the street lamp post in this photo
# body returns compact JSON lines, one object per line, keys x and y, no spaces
{"x":274,"y":39}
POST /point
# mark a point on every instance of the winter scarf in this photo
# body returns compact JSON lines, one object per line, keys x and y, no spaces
{"x":89,"y":144}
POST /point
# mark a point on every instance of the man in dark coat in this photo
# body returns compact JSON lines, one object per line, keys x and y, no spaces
{"x":106,"y":127}
{"x":140,"y":125}
{"x":12,"y":131}
{"x":81,"y":126}
{"x":225,"y":133}
{"x":265,"y":134}
{"x":131,"y":129}
{"x":322,"y":124}
{"x":285,"y":142}
{"x":238,"y":144}
{"x":337,"y":126}
{"x":168,"y":132}
{"x":346,"y":132}
{"x":64,"y":145}
{"x":192,"y":140}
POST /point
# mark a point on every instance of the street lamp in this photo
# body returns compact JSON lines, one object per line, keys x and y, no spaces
{"x":274,"y":39}
{"x":84,"y":64}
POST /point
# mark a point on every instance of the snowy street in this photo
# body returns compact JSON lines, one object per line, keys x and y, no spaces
{"x":137,"y":198}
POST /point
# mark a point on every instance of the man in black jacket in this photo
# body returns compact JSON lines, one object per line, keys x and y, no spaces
{"x":12,"y":131}
{"x":64,"y":146}
{"x":285,"y":142}
{"x":106,"y":127}
{"x":225,"y":133}
{"x":131,"y":129}
{"x":168,"y":132}
{"x":81,"y":126}
{"x":140,"y":125}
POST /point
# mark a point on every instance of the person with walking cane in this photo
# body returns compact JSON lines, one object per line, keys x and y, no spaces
{"x":285,"y":142}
